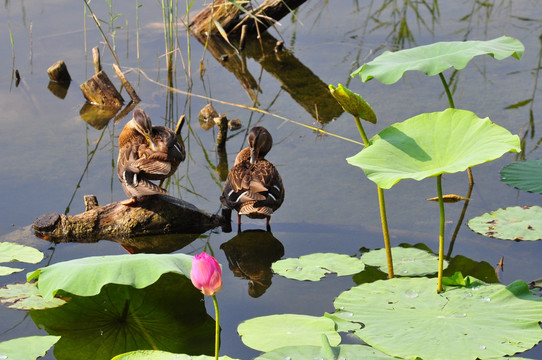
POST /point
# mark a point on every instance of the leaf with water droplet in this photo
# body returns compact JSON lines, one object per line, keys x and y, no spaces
{"x":406,"y":261}
{"x":507,"y":324}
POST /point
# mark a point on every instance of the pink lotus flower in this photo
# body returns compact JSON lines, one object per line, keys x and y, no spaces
{"x":206,"y":274}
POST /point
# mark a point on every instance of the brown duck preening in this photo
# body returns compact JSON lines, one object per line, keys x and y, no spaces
{"x":254,"y":187}
{"x":146,"y":153}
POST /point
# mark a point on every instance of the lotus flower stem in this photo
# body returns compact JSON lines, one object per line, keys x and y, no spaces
{"x":217,"y":327}
{"x":382,"y":206}
{"x":441,"y":233}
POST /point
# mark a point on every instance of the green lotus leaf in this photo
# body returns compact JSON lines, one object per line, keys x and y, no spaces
{"x":267,"y":333}
{"x":86,"y":276}
{"x":168,"y":315}
{"x":406,"y":261}
{"x":512,"y":223}
{"x":477,"y":321}
{"x":27,"y":348}
{"x":433,"y":59}
{"x":525,"y":175}
{"x":163,"y":355}
{"x":6,"y":270}
{"x":315,"y":352}
{"x":16,"y":252}
{"x":431,"y":144}
{"x":313,"y":267}
{"x":26,"y":296}
{"x":353,"y":103}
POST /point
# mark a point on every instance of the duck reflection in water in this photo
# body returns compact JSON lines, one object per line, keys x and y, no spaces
{"x":250,"y":254}
{"x":254,"y":187}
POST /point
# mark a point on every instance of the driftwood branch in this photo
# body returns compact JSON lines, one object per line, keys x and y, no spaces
{"x":231,"y":18}
{"x":154,"y":215}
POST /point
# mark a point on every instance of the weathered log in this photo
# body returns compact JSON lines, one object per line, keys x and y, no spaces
{"x":99,"y":90}
{"x":59,"y":72}
{"x":153,"y":215}
{"x":231,"y":18}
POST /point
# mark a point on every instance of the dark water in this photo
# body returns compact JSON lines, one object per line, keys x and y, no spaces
{"x":51,"y":157}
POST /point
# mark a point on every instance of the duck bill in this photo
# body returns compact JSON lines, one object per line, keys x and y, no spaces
{"x":152,"y":144}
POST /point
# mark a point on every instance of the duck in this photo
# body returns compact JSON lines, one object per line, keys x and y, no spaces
{"x":254,"y":187}
{"x":146,"y":153}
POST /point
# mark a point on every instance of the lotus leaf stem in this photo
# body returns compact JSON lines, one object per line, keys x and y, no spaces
{"x":441,"y":233}
{"x":382,"y":206}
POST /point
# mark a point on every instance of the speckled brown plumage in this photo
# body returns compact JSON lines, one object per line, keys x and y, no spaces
{"x":146,"y":152}
{"x":254,"y":187}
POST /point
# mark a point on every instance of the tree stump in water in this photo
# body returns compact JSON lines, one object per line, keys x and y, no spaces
{"x":99,"y":90}
{"x":154,"y":215}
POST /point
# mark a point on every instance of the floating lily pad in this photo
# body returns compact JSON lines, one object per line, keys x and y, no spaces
{"x":86,"y":276}
{"x":432,"y":59}
{"x":432,"y":144}
{"x":163,"y":355}
{"x":406,"y":261}
{"x":6,"y":270}
{"x":512,"y":223}
{"x":477,"y":321}
{"x":317,"y":352}
{"x":267,"y":333}
{"x":15,"y":252}
{"x":313,"y":267}
{"x":26,"y":297}
{"x":27,"y":348}
{"x":524,"y":175}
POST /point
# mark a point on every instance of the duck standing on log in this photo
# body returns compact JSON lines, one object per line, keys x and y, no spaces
{"x":254,"y":186}
{"x":146,"y":153}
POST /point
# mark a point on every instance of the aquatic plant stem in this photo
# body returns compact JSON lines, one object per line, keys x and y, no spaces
{"x":447,"y":90}
{"x":452,"y":105}
{"x":217,"y":327}
{"x":382,"y":207}
{"x":441,"y":233}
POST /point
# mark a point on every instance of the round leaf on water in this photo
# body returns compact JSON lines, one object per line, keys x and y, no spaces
{"x":275,"y":331}
{"x":512,"y":223}
{"x":477,"y":321}
{"x":525,"y":175}
{"x":6,"y":270}
{"x":435,"y":58}
{"x":432,"y":144}
{"x":346,"y":351}
{"x":26,"y":296}
{"x":313,"y":267}
{"x":406,"y":261}
{"x":16,"y":252}
{"x":86,"y":276}
{"x":163,"y":355}
{"x":30,"y":347}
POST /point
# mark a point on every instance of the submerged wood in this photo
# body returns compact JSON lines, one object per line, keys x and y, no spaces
{"x":154,"y":215}
{"x":99,"y":90}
